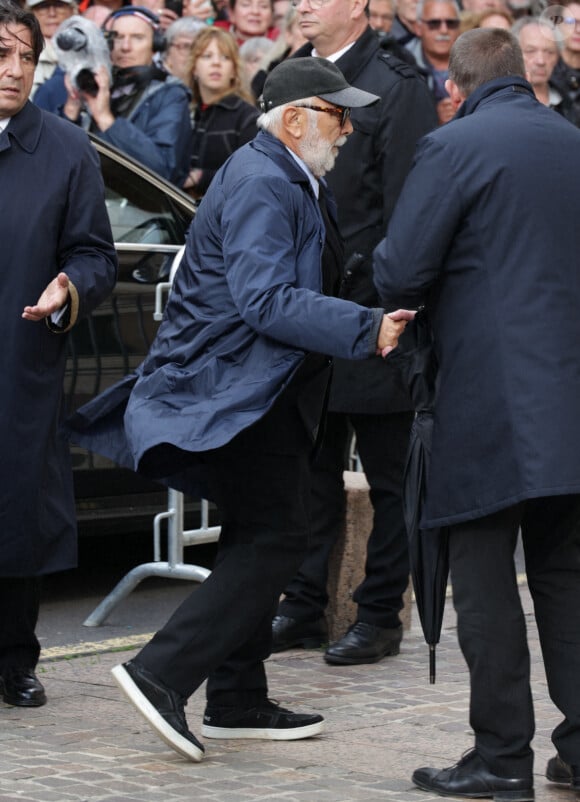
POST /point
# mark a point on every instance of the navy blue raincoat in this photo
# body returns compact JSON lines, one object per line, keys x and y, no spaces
{"x":486,"y":233}
{"x":52,"y":219}
{"x":245,"y":309}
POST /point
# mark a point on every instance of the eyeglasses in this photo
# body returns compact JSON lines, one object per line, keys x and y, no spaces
{"x":435,"y":24}
{"x":181,"y":47}
{"x":341,"y":115}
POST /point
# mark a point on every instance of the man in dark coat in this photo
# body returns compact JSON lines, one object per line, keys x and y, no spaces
{"x":234,"y":386}
{"x":485,"y":234}
{"x":56,"y":247}
{"x":367,"y":396}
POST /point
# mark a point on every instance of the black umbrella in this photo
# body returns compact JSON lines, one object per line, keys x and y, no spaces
{"x":428,"y":548}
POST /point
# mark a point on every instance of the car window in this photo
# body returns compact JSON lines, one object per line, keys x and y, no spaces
{"x":140,"y":212}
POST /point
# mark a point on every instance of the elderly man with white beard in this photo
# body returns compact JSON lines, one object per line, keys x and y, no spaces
{"x":230,"y":399}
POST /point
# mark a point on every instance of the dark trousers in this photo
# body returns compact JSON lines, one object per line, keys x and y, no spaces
{"x":222,"y":631}
{"x":492,"y":628}
{"x":382,"y":442}
{"x":19,"y":606}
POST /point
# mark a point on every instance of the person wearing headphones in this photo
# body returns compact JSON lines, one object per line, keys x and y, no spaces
{"x":143,"y":111}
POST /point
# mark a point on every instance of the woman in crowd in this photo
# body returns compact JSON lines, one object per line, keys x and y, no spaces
{"x":224,"y":116}
{"x":247,"y":18}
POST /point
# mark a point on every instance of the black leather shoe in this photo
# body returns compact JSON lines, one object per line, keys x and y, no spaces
{"x":564,"y":773}
{"x":471,"y":778}
{"x":160,"y":706}
{"x":21,"y":687}
{"x":364,"y":643}
{"x":287,"y":633}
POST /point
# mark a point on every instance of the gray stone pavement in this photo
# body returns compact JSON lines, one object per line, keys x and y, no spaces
{"x":383,"y":721}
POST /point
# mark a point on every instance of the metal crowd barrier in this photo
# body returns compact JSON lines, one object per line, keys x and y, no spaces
{"x":172,"y":568}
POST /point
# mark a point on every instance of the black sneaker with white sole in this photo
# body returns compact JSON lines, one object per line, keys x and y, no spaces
{"x":162,"y":707}
{"x":266,"y":721}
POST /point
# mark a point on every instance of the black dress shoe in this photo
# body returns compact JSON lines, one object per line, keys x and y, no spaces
{"x":287,"y":633}
{"x":21,"y":687}
{"x":564,"y":773}
{"x":471,"y":778}
{"x":364,"y":643}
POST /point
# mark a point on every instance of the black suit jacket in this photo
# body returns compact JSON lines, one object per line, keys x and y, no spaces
{"x":366,"y":180}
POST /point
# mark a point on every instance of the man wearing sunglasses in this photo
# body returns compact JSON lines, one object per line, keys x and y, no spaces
{"x":437,"y":27}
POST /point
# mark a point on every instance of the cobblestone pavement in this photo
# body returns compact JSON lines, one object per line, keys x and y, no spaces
{"x":383,"y":721}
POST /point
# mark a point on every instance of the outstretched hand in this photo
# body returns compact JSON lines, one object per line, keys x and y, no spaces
{"x":52,"y":299}
{"x":392,"y":327}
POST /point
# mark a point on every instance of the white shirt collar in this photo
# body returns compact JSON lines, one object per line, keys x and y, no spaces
{"x":304,"y":167}
{"x":4,"y":123}
{"x":334,"y":56}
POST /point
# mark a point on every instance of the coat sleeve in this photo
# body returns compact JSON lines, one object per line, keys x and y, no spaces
{"x":86,"y":251}
{"x":408,"y":261}
{"x":160,"y":134}
{"x":264,"y":262}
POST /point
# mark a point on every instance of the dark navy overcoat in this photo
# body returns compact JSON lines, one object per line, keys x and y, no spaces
{"x":52,"y":218}
{"x":245,"y":309}
{"x":487,"y":233}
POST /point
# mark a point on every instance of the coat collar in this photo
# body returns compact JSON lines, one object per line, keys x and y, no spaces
{"x":276,"y":150}
{"x":490,"y":89}
{"x":355,"y":58}
{"x":25,"y":128}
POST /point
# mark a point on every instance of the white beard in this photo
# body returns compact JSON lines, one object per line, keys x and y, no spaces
{"x":318,"y":154}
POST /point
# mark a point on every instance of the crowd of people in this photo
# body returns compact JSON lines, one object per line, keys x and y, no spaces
{"x":359,"y":118}
{"x":187,"y":135}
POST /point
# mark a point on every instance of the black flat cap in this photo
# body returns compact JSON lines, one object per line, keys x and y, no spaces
{"x":297,"y":78}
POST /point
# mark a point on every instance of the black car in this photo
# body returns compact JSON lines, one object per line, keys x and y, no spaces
{"x":149,"y":218}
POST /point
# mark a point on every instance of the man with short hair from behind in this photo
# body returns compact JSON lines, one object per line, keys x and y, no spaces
{"x":495,"y":195}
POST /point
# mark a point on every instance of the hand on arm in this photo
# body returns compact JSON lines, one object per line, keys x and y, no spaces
{"x":392,"y":327}
{"x":52,"y":299}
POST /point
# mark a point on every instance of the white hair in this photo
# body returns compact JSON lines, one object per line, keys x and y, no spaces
{"x":272,"y":120}
{"x":421,"y":4}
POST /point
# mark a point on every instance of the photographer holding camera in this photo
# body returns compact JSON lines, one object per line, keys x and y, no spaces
{"x":141,"y":110}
